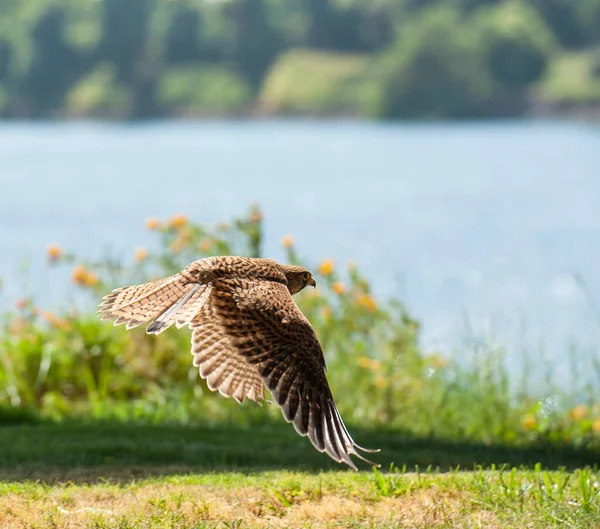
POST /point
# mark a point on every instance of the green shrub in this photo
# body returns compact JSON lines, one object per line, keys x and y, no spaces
{"x":99,"y":93}
{"x":435,"y":70}
{"x":518,"y":45}
{"x":203,"y":90}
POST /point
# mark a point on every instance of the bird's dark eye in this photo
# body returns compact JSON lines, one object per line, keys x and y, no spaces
{"x":306,"y":276}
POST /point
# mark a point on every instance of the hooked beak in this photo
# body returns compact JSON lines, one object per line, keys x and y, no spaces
{"x":312,"y":282}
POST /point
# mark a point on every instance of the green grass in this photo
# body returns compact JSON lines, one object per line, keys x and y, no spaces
{"x":108,"y":474}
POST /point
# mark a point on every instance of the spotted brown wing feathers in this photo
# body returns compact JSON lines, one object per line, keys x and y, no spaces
{"x":288,"y":358}
{"x":224,"y":369}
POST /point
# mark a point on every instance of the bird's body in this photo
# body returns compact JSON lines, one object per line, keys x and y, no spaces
{"x":247,"y":335}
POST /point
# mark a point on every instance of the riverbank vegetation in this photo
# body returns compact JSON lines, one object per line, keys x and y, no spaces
{"x":390,"y":59}
{"x":66,"y":364}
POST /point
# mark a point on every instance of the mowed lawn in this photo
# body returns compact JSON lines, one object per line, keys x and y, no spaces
{"x":105,"y":475}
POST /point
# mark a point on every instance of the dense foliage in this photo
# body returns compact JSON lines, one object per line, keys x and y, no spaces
{"x":71,"y":364}
{"x":389,"y":58}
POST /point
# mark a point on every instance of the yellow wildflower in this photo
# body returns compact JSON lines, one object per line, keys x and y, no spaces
{"x":176,"y":246}
{"x":83,"y":277}
{"x":178,"y":221}
{"x":55,"y":321}
{"x":437,"y":361}
{"x":141,"y":254}
{"x":596,"y":426}
{"x":578,"y":412}
{"x":326,"y":312}
{"x":21,"y":303}
{"x":287,"y":241}
{"x":17,"y":325}
{"x":180,"y":242}
{"x":91,"y":279}
{"x":338,"y":287}
{"x":152,"y":223}
{"x":326,"y":267}
{"x":381,"y":382}
{"x":529,"y":422}
{"x":206,"y":244}
{"x":79,"y":274}
{"x":255,"y":214}
{"x":364,"y":361}
{"x":54,"y":252}
{"x":367,"y":301}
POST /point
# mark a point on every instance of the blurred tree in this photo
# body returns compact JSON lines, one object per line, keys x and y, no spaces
{"x":5,"y":60}
{"x":588,"y":17}
{"x":435,"y":71}
{"x":349,"y":29}
{"x":561,"y":17}
{"x":256,"y":43}
{"x":518,"y":44}
{"x":464,"y":6}
{"x":182,"y":42}
{"x":54,"y":68}
{"x":124,"y":35}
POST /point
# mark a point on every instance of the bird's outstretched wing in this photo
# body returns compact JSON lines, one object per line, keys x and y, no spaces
{"x":224,"y":369}
{"x":166,"y":301}
{"x":265,"y":326}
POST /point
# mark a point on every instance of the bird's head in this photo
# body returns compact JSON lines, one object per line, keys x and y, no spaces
{"x":298,"y":278}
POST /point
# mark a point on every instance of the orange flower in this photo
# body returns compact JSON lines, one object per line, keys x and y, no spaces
{"x":596,"y":426}
{"x":381,"y":382}
{"x":91,"y":279}
{"x":79,"y":274}
{"x":438,"y":361}
{"x":83,"y":277}
{"x":55,"y":321}
{"x":338,"y":287}
{"x":287,"y":241}
{"x":326,"y":267}
{"x":364,"y":361}
{"x":529,"y":421}
{"x":17,"y":325}
{"x":22,"y":303}
{"x":152,"y":223}
{"x":206,"y":244}
{"x":255,"y":214}
{"x":578,"y":412}
{"x":326,"y":312}
{"x":178,"y":221}
{"x":141,"y":254}
{"x":367,"y":301}
{"x":54,"y":252}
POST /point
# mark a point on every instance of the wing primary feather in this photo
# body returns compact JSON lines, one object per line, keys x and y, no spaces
{"x":161,"y":323}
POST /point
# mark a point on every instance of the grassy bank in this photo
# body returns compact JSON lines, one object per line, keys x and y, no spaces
{"x":101,"y":427}
{"x":144,"y":476}
{"x":68,"y":365}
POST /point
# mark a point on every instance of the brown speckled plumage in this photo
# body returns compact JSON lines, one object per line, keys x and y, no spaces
{"x":247,"y":335}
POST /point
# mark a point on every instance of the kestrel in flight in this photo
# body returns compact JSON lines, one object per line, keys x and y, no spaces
{"x":248,"y":335}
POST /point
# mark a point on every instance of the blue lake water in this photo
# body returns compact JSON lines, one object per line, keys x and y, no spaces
{"x":484,"y":221}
